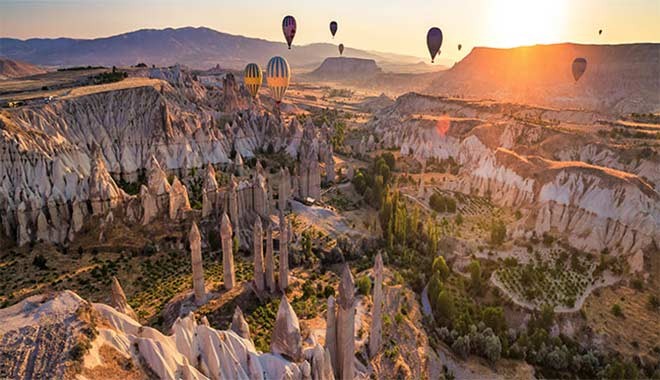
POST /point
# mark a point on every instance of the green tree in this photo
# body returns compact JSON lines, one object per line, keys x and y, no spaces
{"x":444,"y":310}
{"x":364,"y":285}
{"x":497,"y":232}
{"x":475,"y":276}
{"x":440,"y":267}
{"x":493,"y":317}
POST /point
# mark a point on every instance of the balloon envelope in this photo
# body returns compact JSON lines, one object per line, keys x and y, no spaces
{"x":579,"y":67}
{"x":600,"y":32}
{"x":459,"y":47}
{"x":278,"y":76}
{"x":434,"y":41}
{"x":253,"y":78}
{"x":333,"y":28}
{"x":289,"y":29}
{"x":341,"y":49}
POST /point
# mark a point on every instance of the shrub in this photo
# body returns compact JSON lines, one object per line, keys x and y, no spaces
{"x":617,"y":311}
{"x":497,"y":232}
{"x":492,"y":348}
{"x":653,"y":302}
{"x":364,"y":285}
{"x":461,"y":346}
{"x":493,"y":317}
{"x":40,"y":261}
{"x":440,"y":267}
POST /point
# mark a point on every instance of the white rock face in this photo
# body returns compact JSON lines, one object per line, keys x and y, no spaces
{"x":286,"y":339}
{"x":195,"y":240}
{"x":118,"y":299}
{"x":192,"y":351}
{"x":595,"y":207}
{"x":59,"y":159}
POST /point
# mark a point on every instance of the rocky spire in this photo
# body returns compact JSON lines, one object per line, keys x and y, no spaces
{"x":260,"y":193}
{"x":270,"y":260}
{"x":227,"y":252}
{"x":233,"y":207}
{"x":284,"y":254}
{"x":198,"y":271}
{"x":346,"y":326}
{"x":284,"y":190}
{"x":104,"y":193}
{"x":179,"y":201}
{"x":331,"y":331}
{"x":118,"y":299}
{"x":376,"y":317}
{"x":239,"y":325}
{"x":156,"y":178}
{"x":209,"y":191}
{"x":286,"y":339}
{"x":257,"y":243}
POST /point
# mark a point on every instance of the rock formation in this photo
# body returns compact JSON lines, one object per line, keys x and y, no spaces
{"x":260,"y":192}
{"x":239,"y":325}
{"x":286,"y":339}
{"x":331,"y":332}
{"x":270,"y":260}
{"x":284,"y":254}
{"x":376,"y":317}
{"x":179,"y":201}
{"x":195,"y":239}
{"x":284,"y":190}
{"x":118,"y":299}
{"x":233,"y":207}
{"x":258,"y":250}
{"x":227,"y":252}
{"x":209,"y":192}
{"x":346,"y":326}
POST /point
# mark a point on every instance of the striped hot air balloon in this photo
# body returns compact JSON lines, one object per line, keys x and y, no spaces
{"x":278,"y":75}
{"x":289,"y":29}
{"x":253,"y":78}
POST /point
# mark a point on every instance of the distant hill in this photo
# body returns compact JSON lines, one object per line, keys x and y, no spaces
{"x":16,"y":69}
{"x":621,"y":78}
{"x":345,"y":68}
{"x":198,"y":48}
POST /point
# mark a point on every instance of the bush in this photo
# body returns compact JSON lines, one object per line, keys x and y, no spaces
{"x":653,"y":302}
{"x":40,"y":261}
{"x":492,"y":348}
{"x":617,"y":311}
{"x":497,"y":232}
{"x":364,"y":285}
{"x":493,"y":317}
{"x":440,"y":267}
{"x":461,"y":346}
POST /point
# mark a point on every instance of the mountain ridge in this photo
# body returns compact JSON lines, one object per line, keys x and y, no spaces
{"x":197,"y":47}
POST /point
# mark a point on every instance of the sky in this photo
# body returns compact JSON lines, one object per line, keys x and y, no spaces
{"x":397,"y":26}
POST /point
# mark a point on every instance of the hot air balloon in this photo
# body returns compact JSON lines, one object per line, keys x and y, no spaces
{"x":434,"y":41}
{"x":600,"y":31}
{"x":253,"y":78}
{"x":578,"y":68}
{"x":289,"y":29}
{"x":459,"y":47}
{"x":278,"y":75}
{"x":333,"y":28}
{"x":341,"y":49}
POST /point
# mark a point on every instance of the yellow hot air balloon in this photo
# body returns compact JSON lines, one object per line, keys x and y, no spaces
{"x":278,"y":75}
{"x":253,"y":78}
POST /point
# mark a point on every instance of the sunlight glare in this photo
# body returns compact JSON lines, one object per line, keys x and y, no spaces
{"x":526,"y":22}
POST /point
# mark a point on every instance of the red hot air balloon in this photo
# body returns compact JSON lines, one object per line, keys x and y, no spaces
{"x":289,"y":29}
{"x":341,"y":49}
{"x":578,"y":68}
{"x":333,"y":28}
{"x":434,"y":41}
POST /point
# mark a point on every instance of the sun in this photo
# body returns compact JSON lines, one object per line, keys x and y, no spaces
{"x":525,"y":22}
